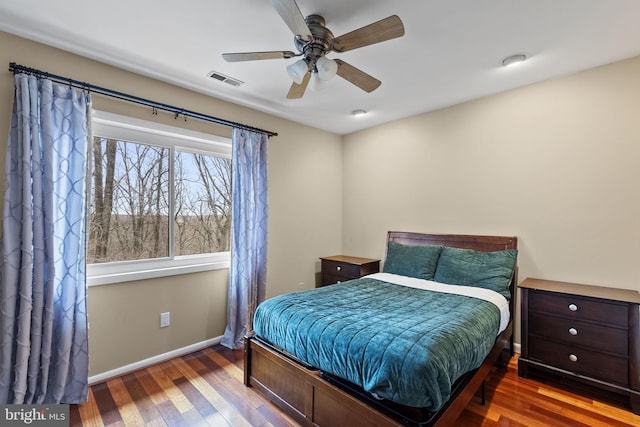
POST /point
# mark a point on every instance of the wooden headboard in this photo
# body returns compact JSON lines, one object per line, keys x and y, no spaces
{"x":464,"y":241}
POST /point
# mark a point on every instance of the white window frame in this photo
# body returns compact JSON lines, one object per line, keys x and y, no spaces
{"x":145,"y":132}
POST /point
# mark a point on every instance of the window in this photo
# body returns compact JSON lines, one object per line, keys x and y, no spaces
{"x":159,"y":202}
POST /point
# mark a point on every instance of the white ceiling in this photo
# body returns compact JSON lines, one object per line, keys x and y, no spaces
{"x":450,"y":53}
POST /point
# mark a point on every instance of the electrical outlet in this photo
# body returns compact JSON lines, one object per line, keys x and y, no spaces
{"x":165,"y":319}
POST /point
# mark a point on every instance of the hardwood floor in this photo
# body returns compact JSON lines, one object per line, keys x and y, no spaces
{"x":205,"y":389}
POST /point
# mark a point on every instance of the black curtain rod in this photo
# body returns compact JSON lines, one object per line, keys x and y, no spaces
{"x":16,"y":68}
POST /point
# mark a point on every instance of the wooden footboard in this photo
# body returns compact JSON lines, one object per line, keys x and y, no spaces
{"x":302,"y":394}
{"x":312,"y":401}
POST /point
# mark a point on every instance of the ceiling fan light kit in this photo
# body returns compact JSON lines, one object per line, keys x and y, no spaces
{"x":317,"y":83}
{"x":297,"y":70}
{"x":326,"y":68}
{"x":314,"y":41}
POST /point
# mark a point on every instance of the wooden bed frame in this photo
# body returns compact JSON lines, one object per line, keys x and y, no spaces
{"x":306,"y":394}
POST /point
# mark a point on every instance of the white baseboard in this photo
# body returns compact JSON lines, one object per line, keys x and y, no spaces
{"x":152,"y":361}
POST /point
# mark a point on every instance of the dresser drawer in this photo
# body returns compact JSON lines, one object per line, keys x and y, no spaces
{"x":580,"y":308}
{"x":587,"y":362}
{"x":577,"y":333}
{"x":583,"y":334}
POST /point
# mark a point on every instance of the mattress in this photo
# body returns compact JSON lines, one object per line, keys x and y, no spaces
{"x":403,"y":339}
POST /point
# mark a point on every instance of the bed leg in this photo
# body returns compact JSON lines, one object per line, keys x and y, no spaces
{"x":512,"y":347}
{"x":482,"y":393}
{"x":247,"y":361}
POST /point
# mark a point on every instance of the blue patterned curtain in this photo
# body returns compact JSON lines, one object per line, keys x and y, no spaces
{"x":43,"y":322}
{"x":248,"y":273}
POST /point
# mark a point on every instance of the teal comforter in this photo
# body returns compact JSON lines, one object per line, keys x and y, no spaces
{"x":402,"y":344}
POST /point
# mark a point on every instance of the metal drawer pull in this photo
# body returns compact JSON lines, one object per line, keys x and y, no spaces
{"x":573,"y":357}
{"x":338,"y":268}
{"x":573,"y":331}
{"x":573,"y":307}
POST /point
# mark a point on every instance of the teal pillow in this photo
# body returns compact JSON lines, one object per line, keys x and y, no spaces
{"x":412,"y":261}
{"x":467,"y":267}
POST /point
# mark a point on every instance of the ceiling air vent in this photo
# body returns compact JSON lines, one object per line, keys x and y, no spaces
{"x":226,"y":79}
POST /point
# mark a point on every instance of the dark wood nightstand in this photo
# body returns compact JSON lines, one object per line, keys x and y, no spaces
{"x":340,"y":268}
{"x":588,"y":334}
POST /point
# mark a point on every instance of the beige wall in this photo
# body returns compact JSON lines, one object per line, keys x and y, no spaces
{"x":304,"y":213}
{"x":555,"y":164}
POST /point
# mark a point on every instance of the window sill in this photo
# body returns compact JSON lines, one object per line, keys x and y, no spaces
{"x":106,"y":274}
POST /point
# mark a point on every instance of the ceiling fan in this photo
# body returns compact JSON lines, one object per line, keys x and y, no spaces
{"x":314,"y":41}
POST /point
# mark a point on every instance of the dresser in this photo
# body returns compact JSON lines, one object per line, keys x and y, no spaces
{"x":339,"y":268}
{"x":588,"y":334}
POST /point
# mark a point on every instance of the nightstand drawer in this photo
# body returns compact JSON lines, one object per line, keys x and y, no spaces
{"x":579,"y":308}
{"x":341,"y":269}
{"x":574,"y":332}
{"x":329,"y":279}
{"x":585,"y":362}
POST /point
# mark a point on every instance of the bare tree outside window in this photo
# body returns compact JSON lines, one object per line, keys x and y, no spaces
{"x":203,"y":204}
{"x":131,"y":205}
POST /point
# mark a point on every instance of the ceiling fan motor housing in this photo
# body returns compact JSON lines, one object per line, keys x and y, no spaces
{"x":320,"y":43}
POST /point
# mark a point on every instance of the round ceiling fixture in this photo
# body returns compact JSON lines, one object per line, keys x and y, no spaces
{"x":512,"y":60}
{"x":359,"y":113}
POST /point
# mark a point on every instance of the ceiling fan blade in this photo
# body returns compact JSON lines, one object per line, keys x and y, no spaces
{"x":291,"y":15}
{"x":252,"y":56}
{"x":297,"y":90}
{"x":358,"y":77}
{"x":385,"y":29}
